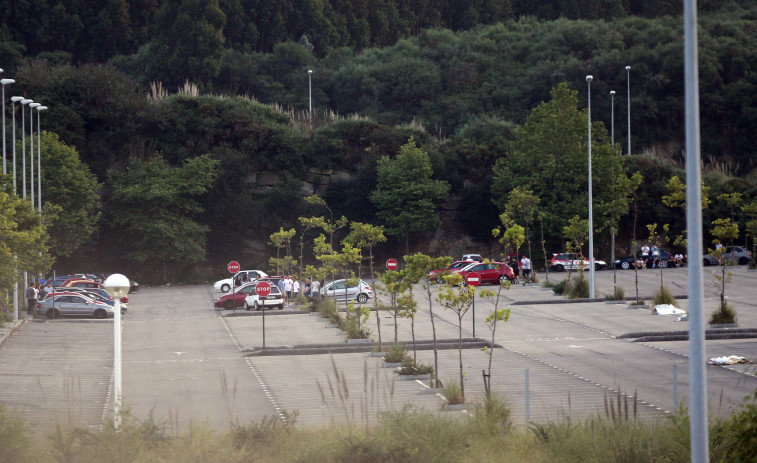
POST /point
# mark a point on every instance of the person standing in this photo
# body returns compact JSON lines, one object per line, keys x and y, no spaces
{"x":645,"y":253}
{"x":31,"y":298}
{"x":525,"y":265}
{"x":315,"y":288}
{"x":288,"y":290}
{"x":514,"y":264}
{"x":655,"y":256}
{"x":295,"y":289}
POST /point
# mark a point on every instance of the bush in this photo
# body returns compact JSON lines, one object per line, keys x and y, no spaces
{"x":560,"y":286}
{"x":14,"y":438}
{"x":396,"y":354}
{"x":494,"y":411}
{"x":664,"y":296}
{"x":453,"y":393}
{"x":725,"y":314}
{"x":579,"y":288}
{"x":354,"y":329}
{"x":618,"y":295}
{"x":410,"y":368}
{"x":740,"y":433}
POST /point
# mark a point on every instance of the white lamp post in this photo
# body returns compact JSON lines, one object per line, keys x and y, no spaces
{"x":612,"y":118}
{"x":628,"y":99}
{"x":31,"y":148}
{"x":5,"y":82}
{"x":14,"y":100}
{"x":117,"y":287}
{"x":39,"y":159}
{"x":24,"y":102}
{"x":310,"y":95}
{"x":591,"y":219}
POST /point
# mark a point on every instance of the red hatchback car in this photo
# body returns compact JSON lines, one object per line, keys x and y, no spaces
{"x":437,"y":274}
{"x":494,"y":272}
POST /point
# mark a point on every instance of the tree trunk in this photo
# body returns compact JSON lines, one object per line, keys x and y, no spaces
{"x":460,"y":353}
{"x":375,"y":300}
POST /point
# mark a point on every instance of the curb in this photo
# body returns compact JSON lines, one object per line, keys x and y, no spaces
{"x":722,"y":333}
{"x":586,"y":300}
{"x":10,"y":328}
{"x":344,"y":348}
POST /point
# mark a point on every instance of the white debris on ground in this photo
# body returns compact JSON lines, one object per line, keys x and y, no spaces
{"x":730,"y":360}
{"x":667,"y":309}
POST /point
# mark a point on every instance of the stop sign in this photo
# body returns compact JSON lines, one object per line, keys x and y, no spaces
{"x":391,"y":264}
{"x":473,"y":279}
{"x":233,"y":266}
{"x":263,"y":289}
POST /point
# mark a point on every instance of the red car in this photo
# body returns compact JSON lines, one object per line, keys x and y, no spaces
{"x":227,"y":300}
{"x":494,"y":272}
{"x":437,"y":274}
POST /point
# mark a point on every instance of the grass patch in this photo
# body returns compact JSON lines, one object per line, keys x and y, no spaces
{"x":410,"y":368}
{"x":724,"y":314}
{"x":397,"y":354}
{"x":618,"y":294}
{"x":664,"y":296}
{"x":560,"y":286}
{"x":453,"y":393}
{"x":579,"y":288}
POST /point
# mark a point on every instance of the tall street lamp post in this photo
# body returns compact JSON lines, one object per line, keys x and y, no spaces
{"x":39,"y":159}
{"x":310,"y":96}
{"x":628,"y":100}
{"x":591,"y":218}
{"x":24,"y":102}
{"x":612,"y":118}
{"x":31,"y":148}
{"x":5,"y":82}
{"x":117,"y":287}
{"x":14,"y":100}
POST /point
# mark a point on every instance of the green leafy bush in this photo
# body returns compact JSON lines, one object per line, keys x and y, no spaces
{"x":396,"y":354}
{"x":724,"y":314}
{"x":664,"y":296}
{"x":579,"y":288}
{"x":453,"y":393}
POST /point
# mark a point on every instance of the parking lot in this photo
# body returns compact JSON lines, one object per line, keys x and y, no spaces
{"x":183,"y":359}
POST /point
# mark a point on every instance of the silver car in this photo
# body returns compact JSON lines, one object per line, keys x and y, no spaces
{"x":361,"y":293}
{"x":732,"y":255}
{"x":73,"y":305}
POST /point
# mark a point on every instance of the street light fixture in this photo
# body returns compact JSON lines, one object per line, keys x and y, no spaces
{"x":117,"y":286}
{"x":591,"y":218}
{"x":31,"y":148}
{"x":310,"y":96}
{"x":24,"y":102}
{"x":612,"y":118}
{"x":39,"y":159}
{"x":628,"y":99}
{"x":14,"y":100}
{"x":5,"y":82}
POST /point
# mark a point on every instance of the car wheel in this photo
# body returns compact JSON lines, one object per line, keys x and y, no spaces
{"x":225,"y":288}
{"x":362,"y":298}
{"x":501,"y":279}
{"x":743,"y":260}
{"x":100,"y":314}
{"x":228,"y":305}
{"x":706,"y":262}
{"x":664,"y":263}
{"x":597,"y":266}
{"x":440,"y":280}
{"x":52,"y":313}
{"x":246,"y":307}
{"x":281,"y":306}
{"x":559,"y":268}
{"x":625,"y":265}
{"x":255,"y":305}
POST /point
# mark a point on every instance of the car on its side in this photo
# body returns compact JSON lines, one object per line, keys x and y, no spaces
{"x":236,"y":299}
{"x":492,"y":272}
{"x":437,"y":274}
{"x":627,"y":262}
{"x":274,"y":299}
{"x":732,"y":255}
{"x":338,"y":289}
{"x":73,"y":305}
{"x":572,"y":261}
{"x":239,"y":278}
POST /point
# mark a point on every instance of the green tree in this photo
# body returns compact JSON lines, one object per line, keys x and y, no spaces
{"x":576,"y":233}
{"x":23,"y":239}
{"x":549,"y":158}
{"x":282,"y":239}
{"x":70,"y":196}
{"x":155,"y":205}
{"x":361,"y":236}
{"x":724,"y":231}
{"x":406,"y":195}
{"x":523,"y":204}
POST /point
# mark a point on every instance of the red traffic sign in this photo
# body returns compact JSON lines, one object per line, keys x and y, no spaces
{"x":263,"y":289}
{"x":392,"y":264}
{"x":233,"y":266}
{"x":473,"y":279}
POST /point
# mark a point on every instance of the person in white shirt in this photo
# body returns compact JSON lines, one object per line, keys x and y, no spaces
{"x":655,"y":256}
{"x":295,"y":289}
{"x":315,"y":288}
{"x":525,"y":265}
{"x":288,"y":289}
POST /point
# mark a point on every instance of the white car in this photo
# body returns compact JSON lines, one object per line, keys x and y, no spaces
{"x":274,"y":299}
{"x":246,"y":275}
{"x":361,"y":293}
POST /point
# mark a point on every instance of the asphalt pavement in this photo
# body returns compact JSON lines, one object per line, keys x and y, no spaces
{"x":186,"y":362}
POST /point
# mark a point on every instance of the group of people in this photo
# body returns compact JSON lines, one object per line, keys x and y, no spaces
{"x":35,"y":293}
{"x":651,"y":257}
{"x":523,"y":265}
{"x":290,"y":289}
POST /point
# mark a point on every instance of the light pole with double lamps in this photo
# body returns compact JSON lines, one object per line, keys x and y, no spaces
{"x":39,"y":158}
{"x":31,"y":148}
{"x":5,"y":82}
